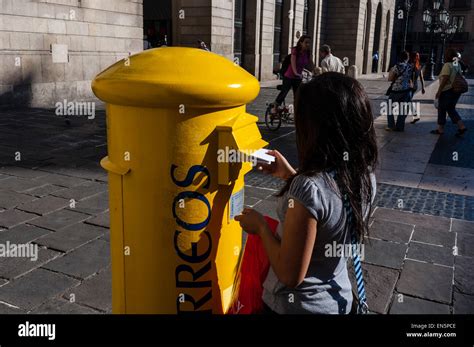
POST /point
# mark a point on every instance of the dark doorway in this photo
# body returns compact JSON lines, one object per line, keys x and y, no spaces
{"x":376,"y":46}
{"x":239,"y":31}
{"x":157,"y":27}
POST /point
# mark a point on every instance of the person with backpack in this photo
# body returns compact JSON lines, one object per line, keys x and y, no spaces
{"x":399,"y":92}
{"x":451,"y":86}
{"x":293,"y":74}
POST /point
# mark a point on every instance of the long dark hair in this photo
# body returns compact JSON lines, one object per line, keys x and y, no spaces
{"x":299,"y":44}
{"x":335,"y":132}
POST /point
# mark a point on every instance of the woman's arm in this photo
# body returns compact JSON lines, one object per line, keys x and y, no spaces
{"x":422,"y":79}
{"x":443,"y":81}
{"x":290,"y":258}
{"x":293,"y":64}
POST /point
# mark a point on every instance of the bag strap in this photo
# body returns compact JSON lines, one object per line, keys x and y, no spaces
{"x":362,"y":307}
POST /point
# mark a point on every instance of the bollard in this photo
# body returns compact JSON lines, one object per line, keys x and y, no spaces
{"x":175,"y":245}
{"x":353,"y":72}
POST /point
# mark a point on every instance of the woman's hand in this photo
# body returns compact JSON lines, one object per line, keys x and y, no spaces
{"x":279,"y":168}
{"x":423,"y":91}
{"x":438,"y":94}
{"x":251,"y":221}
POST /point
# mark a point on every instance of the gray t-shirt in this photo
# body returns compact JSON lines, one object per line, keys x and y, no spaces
{"x":326,"y":288}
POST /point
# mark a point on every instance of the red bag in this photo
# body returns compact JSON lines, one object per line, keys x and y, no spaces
{"x":253,"y":272}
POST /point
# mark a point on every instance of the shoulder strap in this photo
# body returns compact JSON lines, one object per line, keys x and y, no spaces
{"x":362,"y":307}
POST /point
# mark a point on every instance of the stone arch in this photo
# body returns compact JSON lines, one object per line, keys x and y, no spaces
{"x":366,"y":37}
{"x":387,"y":41}
{"x":377,"y":35}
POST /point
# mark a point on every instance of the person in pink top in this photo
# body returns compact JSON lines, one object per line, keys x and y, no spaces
{"x":300,"y":57}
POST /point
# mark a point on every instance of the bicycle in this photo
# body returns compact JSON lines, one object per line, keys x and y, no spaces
{"x":284,"y":113}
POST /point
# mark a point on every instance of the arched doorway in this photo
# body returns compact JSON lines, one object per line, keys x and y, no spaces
{"x":387,"y":32}
{"x":377,"y":31}
{"x":366,"y":38}
{"x":157,"y":23}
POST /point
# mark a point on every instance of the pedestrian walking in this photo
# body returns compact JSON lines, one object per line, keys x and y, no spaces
{"x":399,"y":93}
{"x":447,"y":95}
{"x":330,"y":63}
{"x":417,"y":75}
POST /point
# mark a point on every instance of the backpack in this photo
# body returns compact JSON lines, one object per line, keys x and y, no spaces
{"x":285,"y":65}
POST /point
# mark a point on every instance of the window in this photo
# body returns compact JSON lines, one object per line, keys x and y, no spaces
{"x":305,"y":18}
{"x":277,"y":36}
{"x":239,"y":19}
{"x":459,"y":22}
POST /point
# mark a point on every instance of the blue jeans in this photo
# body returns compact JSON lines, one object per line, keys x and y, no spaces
{"x":404,"y":96}
{"x":447,"y":104}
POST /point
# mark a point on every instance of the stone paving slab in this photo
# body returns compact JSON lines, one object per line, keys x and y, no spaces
{"x":95,"y":292}
{"x":19,"y":185}
{"x":61,"y":180}
{"x":10,"y":199}
{"x":434,"y":237}
{"x":61,"y":306}
{"x":59,"y":219}
{"x":383,"y":253}
{"x":35,"y":288}
{"x":82,"y":191}
{"x":463,"y":304}
{"x":43,"y":191}
{"x":71,"y":237}
{"x":102,"y":220}
{"x":432,"y":254}
{"x":465,"y":244}
{"x":44,"y":205}
{"x":5,"y":309}
{"x":410,"y":305}
{"x":462,"y":226}
{"x":22,"y":234}
{"x":426,"y":281}
{"x":464,"y":275}
{"x":379,"y":284}
{"x":83,"y":262}
{"x":391,"y":231}
{"x":93,"y":205}
{"x":12,"y":218}
{"x":11,"y":268}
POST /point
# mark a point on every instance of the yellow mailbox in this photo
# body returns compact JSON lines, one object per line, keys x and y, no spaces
{"x":175,"y":245}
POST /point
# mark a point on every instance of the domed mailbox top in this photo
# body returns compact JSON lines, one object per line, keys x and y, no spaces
{"x":171,"y":76}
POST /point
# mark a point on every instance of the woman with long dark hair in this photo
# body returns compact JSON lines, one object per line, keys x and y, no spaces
{"x":337,"y":153}
{"x":417,"y":75}
{"x":293,"y":76}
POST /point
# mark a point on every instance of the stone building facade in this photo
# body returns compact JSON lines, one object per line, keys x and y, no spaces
{"x":50,"y":50}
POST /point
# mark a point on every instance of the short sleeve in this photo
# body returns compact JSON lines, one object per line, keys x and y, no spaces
{"x":305,"y":191}
{"x":446,"y":70}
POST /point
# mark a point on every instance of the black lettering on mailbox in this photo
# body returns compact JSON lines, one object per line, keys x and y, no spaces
{"x":194,"y":257}
{"x":196,"y":275}
{"x":196,"y":305}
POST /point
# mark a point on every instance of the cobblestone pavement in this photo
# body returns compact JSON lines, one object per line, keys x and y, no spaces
{"x":53,"y":193}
